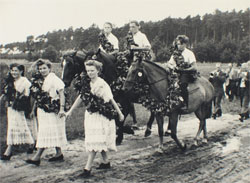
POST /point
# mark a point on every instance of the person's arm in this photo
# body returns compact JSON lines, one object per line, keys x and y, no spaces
{"x":121,"y":117}
{"x":62,"y":102}
{"x":76,"y":104}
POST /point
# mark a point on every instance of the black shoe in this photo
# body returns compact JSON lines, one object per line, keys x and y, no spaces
{"x":37,"y":163}
{"x":104,"y":166}
{"x":85,"y":174}
{"x":59,"y":158}
{"x":6,"y":158}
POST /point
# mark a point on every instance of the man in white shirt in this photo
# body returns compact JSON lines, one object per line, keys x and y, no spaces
{"x":183,"y":61}
{"x":140,"y":41}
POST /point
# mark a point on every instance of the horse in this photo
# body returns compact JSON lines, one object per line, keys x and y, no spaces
{"x":200,"y":97}
{"x":73,"y":64}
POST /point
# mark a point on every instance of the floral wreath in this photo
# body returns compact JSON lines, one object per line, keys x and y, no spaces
{"x":92,"y":102}
{"x":172,"y":101}
{"x":44,"y":100}
{"x":106,"y":45}
{"x":16,"y":100}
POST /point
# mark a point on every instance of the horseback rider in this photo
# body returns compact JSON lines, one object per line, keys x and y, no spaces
{"x":108,"y":42}
{"x":183,"y":61}
{"x":137,"y":40}
{"x":218,"y":78}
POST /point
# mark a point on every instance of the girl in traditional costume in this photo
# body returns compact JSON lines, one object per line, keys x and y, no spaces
{"x":100,"y":129}
{"x":48,"y":91}
{"x":16,"y":91}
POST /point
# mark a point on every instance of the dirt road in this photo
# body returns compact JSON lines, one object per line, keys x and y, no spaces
{"x":225,"y":158}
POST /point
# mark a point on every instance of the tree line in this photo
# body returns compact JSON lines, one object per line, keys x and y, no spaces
{"x":217,"y":37}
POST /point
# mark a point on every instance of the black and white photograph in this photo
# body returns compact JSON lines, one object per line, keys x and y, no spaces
{"x":124,"y":91}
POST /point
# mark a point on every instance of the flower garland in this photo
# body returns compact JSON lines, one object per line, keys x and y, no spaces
{"x":104,"y":42}
{"x":179,"y":59}
{"x":172,"y":101}
{"x":44,"y":100}
{"x":16,"y":100}
{"x":94,"y":103}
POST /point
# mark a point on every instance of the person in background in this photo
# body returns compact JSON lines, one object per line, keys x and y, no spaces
{"x":244,"y":91}
{"x":232,"y":82}
{"x":100,"y":130}
{"x":48,"y":91}
{"x":16,"y":91}
{"x":108,"y":42}
{"x":218,"y":78}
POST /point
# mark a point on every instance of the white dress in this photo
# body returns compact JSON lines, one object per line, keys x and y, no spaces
{"x":51,"y":128}
{"x":18,"y":131}
{"x":100,"y":132}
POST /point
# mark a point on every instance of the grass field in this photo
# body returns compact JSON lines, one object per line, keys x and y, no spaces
{"x":74,"y":126}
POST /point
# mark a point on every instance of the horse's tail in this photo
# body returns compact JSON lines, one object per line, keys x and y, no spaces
{"x":208,"y":109}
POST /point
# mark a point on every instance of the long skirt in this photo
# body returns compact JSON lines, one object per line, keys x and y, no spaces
{"x":100,"y":133}
{"x":51,"y":130}
{"x":18,"y":131}
{"x":32,"y":124}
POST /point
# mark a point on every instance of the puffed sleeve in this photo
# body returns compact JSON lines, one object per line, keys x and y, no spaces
{"x":107,"y":95}
{"x":27,"y":85}
{"x":58,"y":83}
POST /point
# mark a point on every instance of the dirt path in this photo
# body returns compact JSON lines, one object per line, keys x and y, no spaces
{"x":226,"y":158}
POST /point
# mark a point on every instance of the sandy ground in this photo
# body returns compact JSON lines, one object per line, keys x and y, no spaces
{"x":225,"y":158}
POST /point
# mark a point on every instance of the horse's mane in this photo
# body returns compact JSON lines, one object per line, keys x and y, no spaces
{"x":158,"y":66}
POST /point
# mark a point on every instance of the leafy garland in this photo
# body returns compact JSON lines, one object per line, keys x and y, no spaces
{"x":172,"y":101}
{"x":16,"y":100}
{"x":44,"y":100}
{"x":106,"y":45}
{"x":179,"y":59}
{"x":94,"y":103}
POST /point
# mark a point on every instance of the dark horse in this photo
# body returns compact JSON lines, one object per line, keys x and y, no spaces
{"x":200,"y":97}
{"x":73,"y":64}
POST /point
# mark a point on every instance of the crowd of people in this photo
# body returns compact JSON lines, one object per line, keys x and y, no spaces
{"x":36,"y":109}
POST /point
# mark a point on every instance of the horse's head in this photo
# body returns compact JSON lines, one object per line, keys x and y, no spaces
{"x":72,"y":64}
{"x":135,"y":74}
{"x":150,"y":73}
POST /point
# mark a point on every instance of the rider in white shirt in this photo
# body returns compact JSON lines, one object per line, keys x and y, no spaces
{"x":107,"y":28}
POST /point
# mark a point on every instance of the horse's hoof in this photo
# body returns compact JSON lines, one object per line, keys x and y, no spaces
{"x":184,"y":148}
{"x":147,"y":133}
{"x":195,"y":143}
{"x":167,"y":133}
{"x":160,"y":149}
{"x":204,"y":141}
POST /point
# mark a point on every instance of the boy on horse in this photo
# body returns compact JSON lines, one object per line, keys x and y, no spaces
{"x":183,"y":61}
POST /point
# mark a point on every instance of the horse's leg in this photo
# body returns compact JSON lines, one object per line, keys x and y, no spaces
{"x":168,"y":132}
{"x":132,"y":113}
{"x":149,"y":125}
{"x":160,"y":121}
{"x":173,"y":119}
{"x":119,"y":131}
{"x":120,"y":125}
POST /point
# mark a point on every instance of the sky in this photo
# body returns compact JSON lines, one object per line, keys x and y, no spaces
{"x":21,"y":18}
